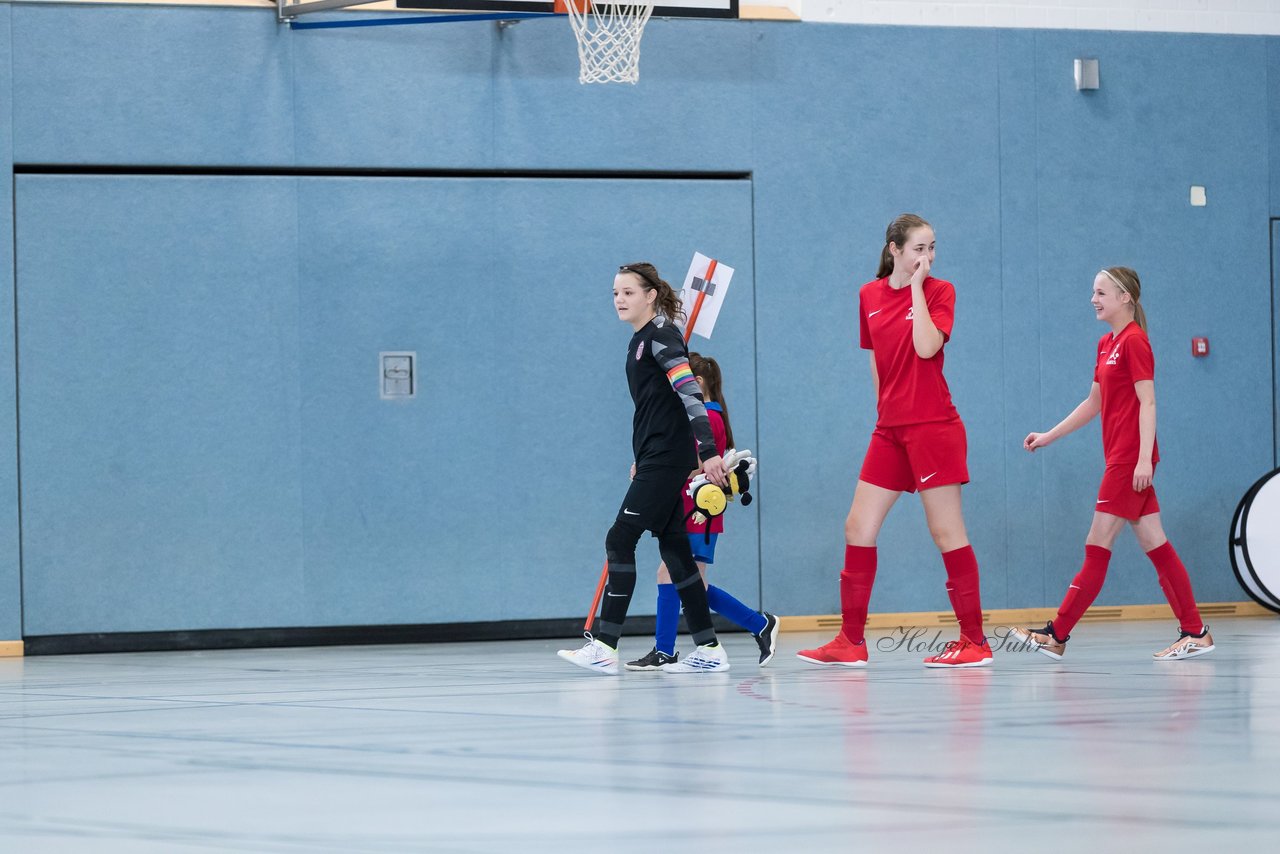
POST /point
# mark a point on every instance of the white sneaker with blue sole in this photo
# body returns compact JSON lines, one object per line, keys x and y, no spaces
{"x":596,"y":656}
{"x":703,"y":659}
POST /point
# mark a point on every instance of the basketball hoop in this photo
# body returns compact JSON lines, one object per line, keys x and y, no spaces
{"x":608,"y":38}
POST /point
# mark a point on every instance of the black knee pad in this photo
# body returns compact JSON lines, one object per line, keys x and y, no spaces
{"x":620,"y":542}
{"x":678,"y":556}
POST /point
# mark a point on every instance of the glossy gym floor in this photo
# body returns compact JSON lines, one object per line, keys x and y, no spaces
{"x":502,"y":747}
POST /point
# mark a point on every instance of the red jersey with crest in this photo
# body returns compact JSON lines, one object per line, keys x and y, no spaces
{"x":1123,"y":360}
{"x":714,"y":413}
{"x":912,"y":389}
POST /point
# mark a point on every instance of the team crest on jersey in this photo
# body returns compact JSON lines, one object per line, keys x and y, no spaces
{"x":639,"y":350}
{"x":1115,"y":354}
{"x":911,"y":313}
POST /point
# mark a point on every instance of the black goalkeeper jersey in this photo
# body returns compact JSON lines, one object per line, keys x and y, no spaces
{"x":669,"y":411}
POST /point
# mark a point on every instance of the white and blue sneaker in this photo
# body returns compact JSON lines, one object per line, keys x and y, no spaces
{"x":703,"y":659}
{"x":596,"y":656}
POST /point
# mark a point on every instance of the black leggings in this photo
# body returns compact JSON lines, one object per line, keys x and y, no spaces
{"x":653,"y":503}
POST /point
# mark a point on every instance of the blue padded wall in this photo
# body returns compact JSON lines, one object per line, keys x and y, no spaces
{"x":1031,"y":185}
{"x":1273,"y":147}
{"x":837,"y":165}
{"x":208,"y":448}
{"x":1115,"y":168}
{"x":1272,"y":82}
{"x":477,"y":96}
{"x":10,"y":566}
{"x":488,"y":496}
{"x":160,"y":403}
{"x":1275,"y":342}
{"x":122,"y":85}
{"x":1023,"y":537}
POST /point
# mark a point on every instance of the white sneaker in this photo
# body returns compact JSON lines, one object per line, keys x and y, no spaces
{"x":1187,"y":646}
{"x":596,"y":656}
{"x":703,"y":659}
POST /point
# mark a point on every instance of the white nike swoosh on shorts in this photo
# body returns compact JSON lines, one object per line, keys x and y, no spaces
{"x":874,"y":313}
{"x":926,"y":477}
{"x":627,"y":512}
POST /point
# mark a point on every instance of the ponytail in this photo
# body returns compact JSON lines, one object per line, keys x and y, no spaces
{"x":886,"y":262}
{"x":1140,"y":317}
{"x":709,"y":369}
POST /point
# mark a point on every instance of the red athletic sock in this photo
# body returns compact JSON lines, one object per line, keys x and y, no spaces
{"x":855,"y":590}
{"x":1176,"y":585}
{"x":1083,"y":590}
{"x":963,"y":590}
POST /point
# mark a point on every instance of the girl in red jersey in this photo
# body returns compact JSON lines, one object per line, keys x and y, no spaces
{"x":905,"y":319}
{"x":1124,"y":392}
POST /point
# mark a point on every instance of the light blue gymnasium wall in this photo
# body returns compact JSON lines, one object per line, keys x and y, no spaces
{"x":241,"y":430}
{"x":839,"y":162}
{"x":354,"y":517}
{"x":1273,"y":113}
{"x":10,"y":574}
{"x":1114,"y":174}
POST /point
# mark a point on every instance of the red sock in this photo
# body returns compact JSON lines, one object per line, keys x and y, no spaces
{"x":1083,"y":590}
{"x":855,"y":590}
{"x":963,"y":590}
{"x":1176,"y":585}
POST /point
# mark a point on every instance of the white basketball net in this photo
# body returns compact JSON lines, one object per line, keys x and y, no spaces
{"x":608,"y":39}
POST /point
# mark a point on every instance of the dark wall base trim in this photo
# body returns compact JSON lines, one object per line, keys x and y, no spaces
{"x":114,"y":169}
{"x":638,"y":627}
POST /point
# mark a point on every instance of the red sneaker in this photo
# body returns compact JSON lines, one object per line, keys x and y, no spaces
{"x":841,"y":651}
{"x":961,"y":653}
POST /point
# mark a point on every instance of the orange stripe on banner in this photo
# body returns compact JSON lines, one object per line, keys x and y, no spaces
{"x":697,"y":306}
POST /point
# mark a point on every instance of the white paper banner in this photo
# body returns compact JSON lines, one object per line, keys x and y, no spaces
{"x":704,"y":288}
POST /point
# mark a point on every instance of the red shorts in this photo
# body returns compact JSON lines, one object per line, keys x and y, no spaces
{"x":1116,"y":495}
{"x":917,"y":456}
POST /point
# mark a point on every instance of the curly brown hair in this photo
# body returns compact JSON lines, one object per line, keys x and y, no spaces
{"x":668,"y":302}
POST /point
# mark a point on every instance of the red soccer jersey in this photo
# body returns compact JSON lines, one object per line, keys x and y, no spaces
{"x":722,"y":444}
{"x":1123,"y":360}
{"x":912,"y":390}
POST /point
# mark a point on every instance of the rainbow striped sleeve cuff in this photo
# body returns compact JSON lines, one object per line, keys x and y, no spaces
{"x":679,"y":375}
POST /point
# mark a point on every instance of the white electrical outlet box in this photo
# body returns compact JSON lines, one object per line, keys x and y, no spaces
{"x":397,"y":375}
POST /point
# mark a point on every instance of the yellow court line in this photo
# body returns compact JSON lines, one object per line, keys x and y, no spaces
{"x":1019,"y":616}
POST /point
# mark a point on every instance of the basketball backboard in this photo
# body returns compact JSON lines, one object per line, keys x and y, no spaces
{"x":663,"y":9}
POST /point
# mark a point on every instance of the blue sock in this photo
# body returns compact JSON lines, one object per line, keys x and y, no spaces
{"x":664,"y":634}
{"x":726,"y":606}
